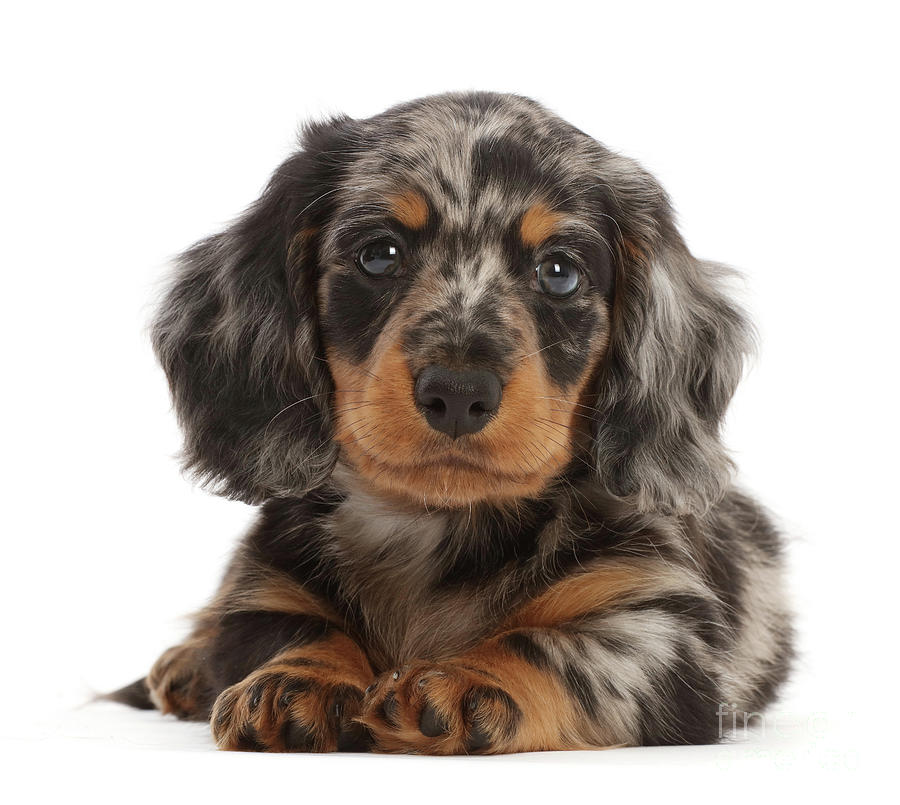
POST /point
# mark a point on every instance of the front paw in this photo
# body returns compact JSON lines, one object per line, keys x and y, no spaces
{"x":440,"y":709}
{"x":275,"y":710}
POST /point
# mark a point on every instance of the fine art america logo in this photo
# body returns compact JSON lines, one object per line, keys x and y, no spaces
{"x":739,"y":724}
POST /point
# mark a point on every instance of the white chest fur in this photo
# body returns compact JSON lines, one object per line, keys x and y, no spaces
{"x":390,"y":560}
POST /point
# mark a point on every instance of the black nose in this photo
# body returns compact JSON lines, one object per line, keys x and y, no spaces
{"x":458,"y":402}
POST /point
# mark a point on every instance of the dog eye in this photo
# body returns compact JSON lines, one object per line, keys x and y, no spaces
{"x":380,"y":258}
{"x":557,"y":276}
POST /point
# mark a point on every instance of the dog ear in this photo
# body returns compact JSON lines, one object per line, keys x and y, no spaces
{"x":237,"y":335}
{"x":676,"y":355}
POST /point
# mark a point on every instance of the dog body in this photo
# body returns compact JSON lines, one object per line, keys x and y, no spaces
{"x":463,"y":359}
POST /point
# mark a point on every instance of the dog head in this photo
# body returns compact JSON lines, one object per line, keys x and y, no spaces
{"x":460,"y":299}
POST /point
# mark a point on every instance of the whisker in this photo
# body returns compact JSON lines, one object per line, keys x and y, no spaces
{"x":297,"y":402}
{"x":350,"y":407}
{"x":567,"y":448}
{"x":549,"y":346}
{"x":571,"y":413}
{"x":570,"y":402}
{"x":555,"y":423}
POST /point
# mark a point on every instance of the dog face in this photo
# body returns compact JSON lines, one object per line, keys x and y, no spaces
{"x":462,"y":297}
{"x":465,"y":291}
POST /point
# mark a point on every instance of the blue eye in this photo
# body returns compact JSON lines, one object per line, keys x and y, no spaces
{"x":557,"y":276}
{"x":380,"y":258}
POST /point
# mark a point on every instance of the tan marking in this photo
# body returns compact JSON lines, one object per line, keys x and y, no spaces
{"x":548,"y":720}
{"x":270,"y":591}
{"x":538,"y":224}
{"x":300,"y":242}
{"x":386,"y":437}
{"x":519,"y":451}
{"x":342,"y":661}
{"x":633,"y":251}
{"x":549,"y":717}
{"x":410,"y":209}
{"x":577,"y":595}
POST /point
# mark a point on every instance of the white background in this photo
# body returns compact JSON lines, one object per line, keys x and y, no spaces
{"x":130,"y":133}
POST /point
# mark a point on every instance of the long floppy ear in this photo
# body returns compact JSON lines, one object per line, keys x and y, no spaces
{"x":675,"y":357}
{"x":237,"y":334}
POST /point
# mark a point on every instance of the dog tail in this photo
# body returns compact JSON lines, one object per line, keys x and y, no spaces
{"x":137,"y":694}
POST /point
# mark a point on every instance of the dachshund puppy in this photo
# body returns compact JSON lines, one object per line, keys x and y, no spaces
{"x":461,"y":357}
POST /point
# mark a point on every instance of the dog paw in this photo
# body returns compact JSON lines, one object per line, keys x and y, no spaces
{"x":275,"y":710}
{"x":440,"y":709}
{"x":177,"y":686}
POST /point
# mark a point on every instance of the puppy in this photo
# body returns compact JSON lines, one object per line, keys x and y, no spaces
{"x":463,"y":360}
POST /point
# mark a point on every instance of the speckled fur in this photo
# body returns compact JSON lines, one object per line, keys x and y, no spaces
{"x":581,"y":572}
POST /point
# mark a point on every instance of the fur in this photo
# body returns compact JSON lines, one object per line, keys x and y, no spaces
{"x":580,"y":572}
